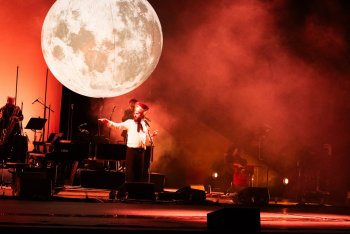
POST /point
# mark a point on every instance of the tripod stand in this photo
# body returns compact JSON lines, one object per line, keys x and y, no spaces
{"x":151,"y":154}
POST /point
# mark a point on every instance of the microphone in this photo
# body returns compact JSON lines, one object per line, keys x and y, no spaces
{"x":110,"y":117}
{"x":35,"y":100}
{"x":146,"y":122}
{"x":147,"y":119}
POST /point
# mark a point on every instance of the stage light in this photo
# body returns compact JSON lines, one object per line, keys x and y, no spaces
{"x":215,"y":175}
{"x":285,"y":181}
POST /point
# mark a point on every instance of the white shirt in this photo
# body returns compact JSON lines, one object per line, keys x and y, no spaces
{"x":135,"y":139}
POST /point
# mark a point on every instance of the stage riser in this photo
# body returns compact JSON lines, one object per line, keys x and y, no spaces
{"x":101,"y":179}
{"x":113,"y":179}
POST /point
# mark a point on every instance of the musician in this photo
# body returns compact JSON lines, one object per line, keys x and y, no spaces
{"x":138,"y":134}
{"x":234,"y":164}
{"x":10,"y":126}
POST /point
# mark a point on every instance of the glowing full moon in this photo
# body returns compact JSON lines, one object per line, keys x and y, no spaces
{"x":101,"y":48}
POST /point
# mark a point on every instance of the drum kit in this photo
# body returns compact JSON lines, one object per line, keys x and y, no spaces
{"x":242,"y":175}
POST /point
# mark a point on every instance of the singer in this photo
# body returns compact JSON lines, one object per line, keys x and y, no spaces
{"x":138,"y":137}
{"x":10,"y":126}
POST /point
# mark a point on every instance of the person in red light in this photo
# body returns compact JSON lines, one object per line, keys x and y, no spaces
{"x":10,"y":120}
{"x":138,"y":135}
{"x":234,"y":169}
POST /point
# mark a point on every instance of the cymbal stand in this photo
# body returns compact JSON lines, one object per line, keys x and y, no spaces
{"x":261,"y":137}
{"x":109,"y":140}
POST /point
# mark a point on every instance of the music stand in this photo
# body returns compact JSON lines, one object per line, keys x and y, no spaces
{"x":35,"y":124}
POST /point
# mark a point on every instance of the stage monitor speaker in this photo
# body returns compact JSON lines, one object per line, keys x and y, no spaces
{"x":33,"y":185}
{"x":237,"y":219}
{"x":137,"y":191}
{"x":191,"y":193}
{"x":158,"y":180}
{"x":254,"y":196}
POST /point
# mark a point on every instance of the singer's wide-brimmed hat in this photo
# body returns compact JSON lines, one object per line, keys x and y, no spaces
{"x":139,"y":106}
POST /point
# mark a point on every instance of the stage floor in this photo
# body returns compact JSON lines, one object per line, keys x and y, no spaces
{"x":91,"y":210}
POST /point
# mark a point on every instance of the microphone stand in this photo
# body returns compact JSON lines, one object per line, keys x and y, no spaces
{"x":151,"y":153}
{"x":110,"y":118}
{"x":70,"y":121}
{"x":109,"y":136}
{"x":98,"y":123}
{"x":44,"y":104}
{"x":20,"y":122}
{"x":48,"y":121}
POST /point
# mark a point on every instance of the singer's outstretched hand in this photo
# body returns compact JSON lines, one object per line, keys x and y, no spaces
{"x":155,"y":133}
{"x":103,"y":120}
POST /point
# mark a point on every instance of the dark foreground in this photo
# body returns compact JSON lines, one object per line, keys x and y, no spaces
{"x":93,"y":211}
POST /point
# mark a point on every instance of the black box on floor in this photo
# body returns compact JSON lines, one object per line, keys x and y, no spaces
{"x":191,"y":193}
{"x":237,"y":219}
{"x":158,"y":180}
{"x":6,"y":176}
{"x":168,"y":196}
{"x":33,"y":184}
{"x":254,"y":196}
{"x":101,"y":179}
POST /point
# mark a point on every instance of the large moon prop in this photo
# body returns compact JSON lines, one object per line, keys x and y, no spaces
{"x":101,"y":48}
